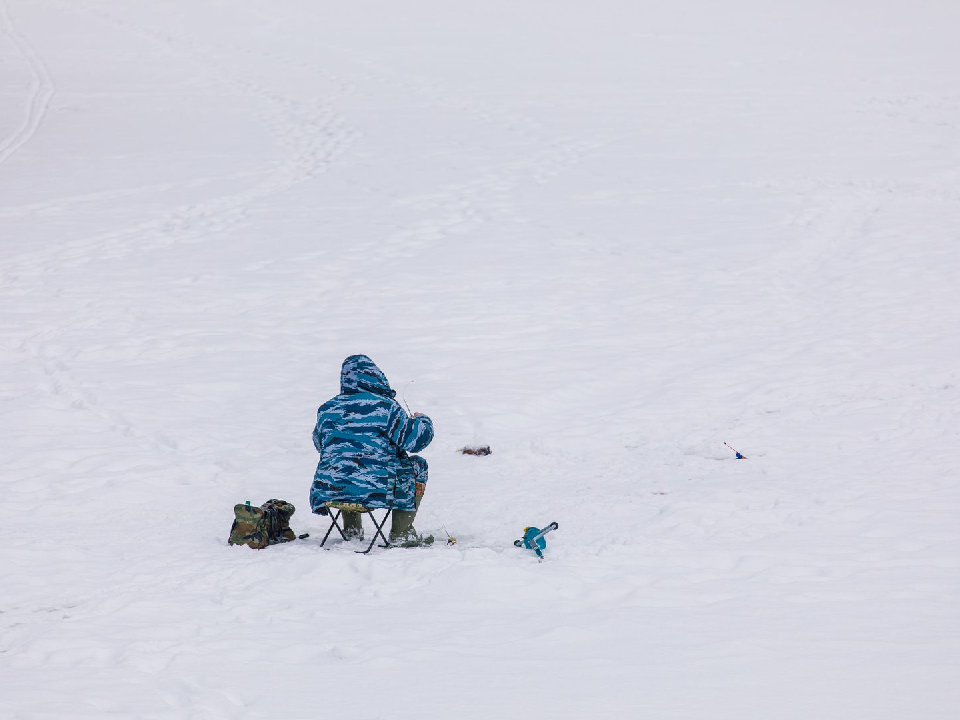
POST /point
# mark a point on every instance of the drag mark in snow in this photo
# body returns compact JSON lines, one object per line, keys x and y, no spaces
{"x":41,"y":88}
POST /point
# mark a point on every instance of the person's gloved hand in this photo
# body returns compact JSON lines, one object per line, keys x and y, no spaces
{"x":420,"y":490}
{"x":322,"y":511}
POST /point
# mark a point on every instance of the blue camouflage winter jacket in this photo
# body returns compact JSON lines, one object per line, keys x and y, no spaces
{"x":363,"y":437}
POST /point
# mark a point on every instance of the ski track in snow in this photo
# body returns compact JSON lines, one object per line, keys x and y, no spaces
{"x":603,"y":252}
{"x":42,"y":88}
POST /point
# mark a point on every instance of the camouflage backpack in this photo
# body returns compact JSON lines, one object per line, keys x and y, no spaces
{"x":258,"y":527}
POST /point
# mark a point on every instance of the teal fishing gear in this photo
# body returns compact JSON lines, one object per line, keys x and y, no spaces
{"x":533,"y":539}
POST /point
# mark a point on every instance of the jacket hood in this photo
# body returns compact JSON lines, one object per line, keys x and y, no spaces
{"x":361,"y":374}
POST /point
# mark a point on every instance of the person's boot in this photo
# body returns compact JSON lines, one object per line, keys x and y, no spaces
{"x":352,"y":525}
{"x":402,"y":532}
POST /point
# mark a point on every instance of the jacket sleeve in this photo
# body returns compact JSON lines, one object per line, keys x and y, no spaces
{"x":316,"y":438}
{"x":412,"y":434}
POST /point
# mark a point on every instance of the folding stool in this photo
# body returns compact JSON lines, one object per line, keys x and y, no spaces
{"x":342,"y":507}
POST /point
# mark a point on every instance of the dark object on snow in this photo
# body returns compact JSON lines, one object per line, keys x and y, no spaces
{"x":482,"y":450}
{"x":258,"y":527}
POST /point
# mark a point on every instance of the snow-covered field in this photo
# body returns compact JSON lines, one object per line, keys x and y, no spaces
{"x":602,"y":237}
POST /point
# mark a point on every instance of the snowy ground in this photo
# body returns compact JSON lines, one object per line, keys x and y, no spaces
{"x":602,"y":237}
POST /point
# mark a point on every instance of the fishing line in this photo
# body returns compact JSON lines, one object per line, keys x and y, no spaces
{"x":403,"y":397}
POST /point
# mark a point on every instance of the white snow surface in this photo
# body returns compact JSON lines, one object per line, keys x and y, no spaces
{"x":603,"y":237}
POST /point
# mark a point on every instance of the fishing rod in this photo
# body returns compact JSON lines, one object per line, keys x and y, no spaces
{"x":740,"y":455}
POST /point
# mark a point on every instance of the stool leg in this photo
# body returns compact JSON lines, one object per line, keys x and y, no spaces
{"x":333,"y":525}
{"x":377,"y":532}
